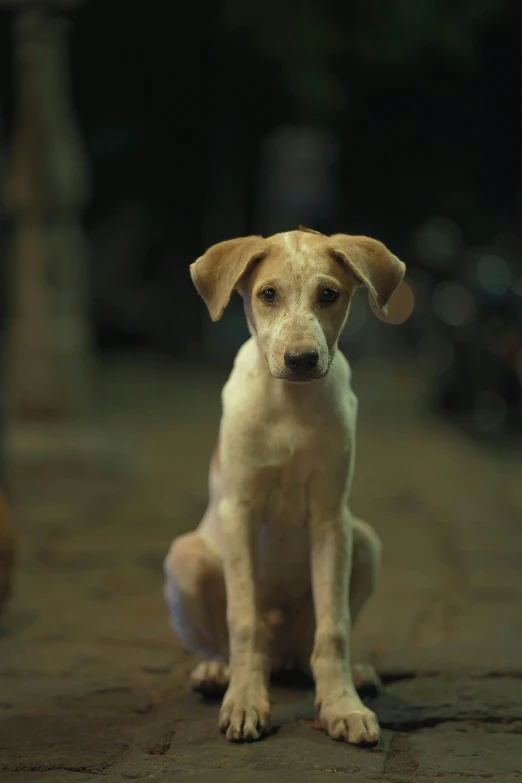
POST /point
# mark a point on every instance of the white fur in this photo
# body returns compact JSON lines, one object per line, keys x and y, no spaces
{"x":278,"y":533}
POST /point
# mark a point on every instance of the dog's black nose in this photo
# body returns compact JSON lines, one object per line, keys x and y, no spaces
{"x":301,"y":362}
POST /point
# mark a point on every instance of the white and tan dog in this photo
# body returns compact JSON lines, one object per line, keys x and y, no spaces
{"x":278,"y":570}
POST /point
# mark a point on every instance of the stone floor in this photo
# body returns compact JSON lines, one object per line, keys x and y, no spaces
{"x":93,"y":684}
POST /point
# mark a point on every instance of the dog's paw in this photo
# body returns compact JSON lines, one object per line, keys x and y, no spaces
{"x":210,"y":678}
{"x":245,"y":714}
{"x":346,"y":718}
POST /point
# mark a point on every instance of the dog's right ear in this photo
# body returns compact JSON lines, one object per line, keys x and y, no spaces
{"x":217,"y":273}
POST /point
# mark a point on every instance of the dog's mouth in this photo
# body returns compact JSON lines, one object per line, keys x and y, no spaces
{"x":300,"y":378}
{"x":302,"y":381}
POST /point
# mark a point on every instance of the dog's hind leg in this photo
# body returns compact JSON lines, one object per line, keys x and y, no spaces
{"x":366,"y":564}
{"x":196,"y":596}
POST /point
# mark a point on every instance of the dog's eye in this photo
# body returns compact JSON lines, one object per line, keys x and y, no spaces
{"x":328,"y":295}
{"x":268,"y":295}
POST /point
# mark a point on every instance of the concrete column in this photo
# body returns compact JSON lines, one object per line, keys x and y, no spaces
{"x":46,"y":187}
{"x":6,"y":528}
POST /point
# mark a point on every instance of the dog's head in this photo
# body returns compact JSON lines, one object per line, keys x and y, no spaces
{"x":296,"y":288}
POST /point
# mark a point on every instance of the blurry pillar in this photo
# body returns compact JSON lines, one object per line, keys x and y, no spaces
{"x":46,"y":187}
{"x":6,"y":528}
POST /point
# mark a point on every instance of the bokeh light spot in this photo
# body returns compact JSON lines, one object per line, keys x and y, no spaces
{"x":489,"y":411}
{"x":422,"y":285}
{"x":517,"y":287}
{"x":494,"y":274}
{"x":453,"y":304}
{"x":438,"y":242}
{"x":400,"y":306}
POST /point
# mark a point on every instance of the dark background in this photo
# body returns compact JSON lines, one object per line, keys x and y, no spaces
{"x":422,"y":100}
{"x":201,"y":122}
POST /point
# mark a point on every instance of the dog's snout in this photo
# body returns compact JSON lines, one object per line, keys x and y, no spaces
{"x":301,"y":362}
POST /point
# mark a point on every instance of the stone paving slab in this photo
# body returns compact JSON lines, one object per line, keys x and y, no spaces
{"x":467,"y":750}
{"x":217,"y":776}
{"x":83,"y":733}
{"x":134,"y":733}
{"x":183,"y":776}
{"x":426,"y":701}
{"x":501,"y":655}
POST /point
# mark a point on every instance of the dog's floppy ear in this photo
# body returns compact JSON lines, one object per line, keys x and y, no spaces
{"x":372,"y":264}
{"x":216,"y":273}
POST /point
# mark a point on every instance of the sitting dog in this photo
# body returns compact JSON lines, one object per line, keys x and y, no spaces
{"x":279,"y":570}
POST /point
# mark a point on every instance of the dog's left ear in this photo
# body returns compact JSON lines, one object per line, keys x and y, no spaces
{"x":372,"y":264}
{"x":217,"y":273}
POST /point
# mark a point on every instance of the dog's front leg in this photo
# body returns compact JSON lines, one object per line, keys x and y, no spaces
{"x":245,"y":712}
{"x":341,"y":712}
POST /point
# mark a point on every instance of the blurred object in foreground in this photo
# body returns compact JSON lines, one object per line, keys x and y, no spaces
{"x":46,"y":187}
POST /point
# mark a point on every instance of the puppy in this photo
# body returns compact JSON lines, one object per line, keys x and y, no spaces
{"x":278,"y":570}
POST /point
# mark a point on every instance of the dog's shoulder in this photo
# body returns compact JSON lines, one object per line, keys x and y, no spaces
{"x":341,"y":374}
{"x":243,"y":380}
{"x":344,"y":403}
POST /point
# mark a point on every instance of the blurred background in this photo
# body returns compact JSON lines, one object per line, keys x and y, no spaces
{"x":390,"y":118}
{"x":133,"y":138}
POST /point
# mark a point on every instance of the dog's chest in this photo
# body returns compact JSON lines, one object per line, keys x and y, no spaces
{"x":293,"y":453}
{"x":284,"y":539}
{"x":292,"y":457}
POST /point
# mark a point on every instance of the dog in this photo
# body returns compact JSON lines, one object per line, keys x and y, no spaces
{"x":278,"y":570}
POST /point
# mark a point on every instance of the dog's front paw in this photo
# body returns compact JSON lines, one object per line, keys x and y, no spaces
{"x":346,"y":718}
{"x":245,"y":713}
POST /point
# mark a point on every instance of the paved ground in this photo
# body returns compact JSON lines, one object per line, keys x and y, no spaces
{"x":93,"y":685}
